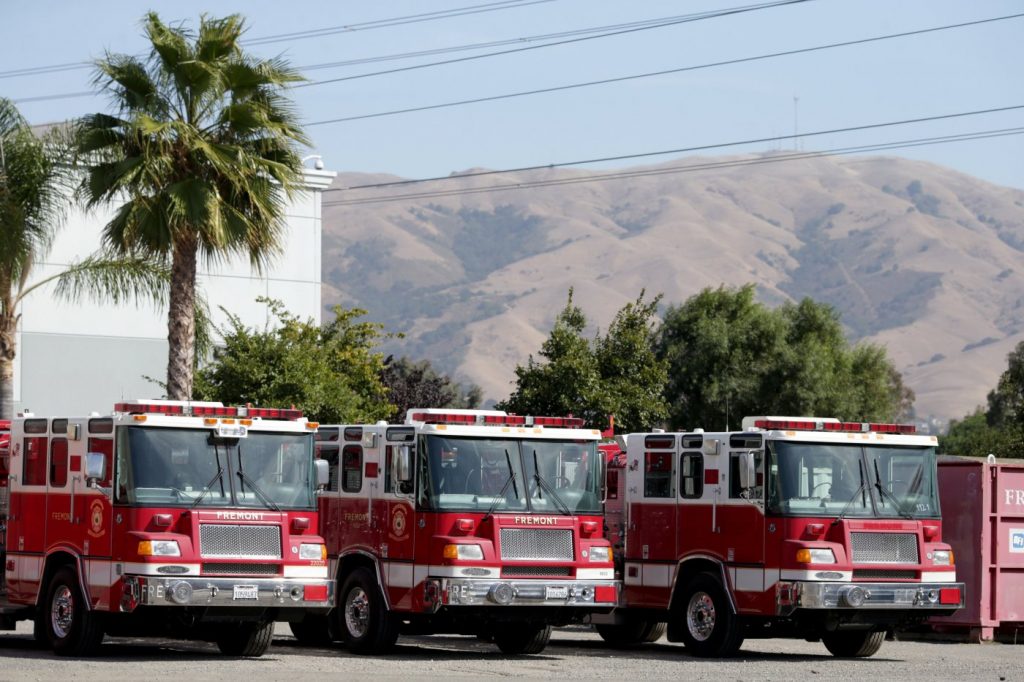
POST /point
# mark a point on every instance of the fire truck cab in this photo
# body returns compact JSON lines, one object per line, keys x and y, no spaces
{"x":793,"y":527}
{"x":462,"y":521}
{"x":189,"y":520}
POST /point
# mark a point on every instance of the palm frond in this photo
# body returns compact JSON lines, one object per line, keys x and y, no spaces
{"x":101,"y":278}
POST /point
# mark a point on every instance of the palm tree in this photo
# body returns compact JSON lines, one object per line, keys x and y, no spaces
{"x":35,"y":195}
{"x":199,"y":158}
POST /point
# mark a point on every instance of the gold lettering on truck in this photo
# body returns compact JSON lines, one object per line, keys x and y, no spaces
{"x":536,"y":520}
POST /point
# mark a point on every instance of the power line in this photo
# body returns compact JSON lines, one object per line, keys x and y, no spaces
{"x":700,"y":16}
{"x":664,"y":72}
{"x":685,"y":150}
{"x":793,"y":156}
{"x":620,"y":29}
{"x":311,"y":33}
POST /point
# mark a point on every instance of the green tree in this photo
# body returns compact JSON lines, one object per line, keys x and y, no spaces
{"x":998,"y":430}
{"x":35,"y":194}
{"x":199,"y":158}
{"x":332,"y":372}
{"x":730,"y":356}
{"x":413,"y":384}
{"x":616,"y":374}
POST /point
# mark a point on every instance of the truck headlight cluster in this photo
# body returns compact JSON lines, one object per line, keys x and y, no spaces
{"x":159,"y":548}
{"x":464,"y":552}
{"x":602,"y":554}
{"x":812,"y":555}
{"x":942,"y":557}
{"x":312,"y":552}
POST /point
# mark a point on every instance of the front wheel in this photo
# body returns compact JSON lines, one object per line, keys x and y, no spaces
{"x":71,"y":628}
{"x":515,"y":639}
{"x":249,"y":639}
{"x":853,"y":644}
{"x":709,"y":627}
{"x":366,"y":626}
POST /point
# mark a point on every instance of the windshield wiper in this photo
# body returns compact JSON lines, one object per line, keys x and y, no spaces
{"x":264,"y":498}
{"x":219,"y":476}
{"x":858,"y":491}
{"x":543,"y":483}
{"x":885,"y":493}
{"x":501,"y":496}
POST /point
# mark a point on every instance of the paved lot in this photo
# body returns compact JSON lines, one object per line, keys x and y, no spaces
{"x":573,"y":654}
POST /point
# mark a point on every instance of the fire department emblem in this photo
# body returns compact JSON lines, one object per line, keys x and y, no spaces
{"x":398,"y":522}
{"x":96,"y":519}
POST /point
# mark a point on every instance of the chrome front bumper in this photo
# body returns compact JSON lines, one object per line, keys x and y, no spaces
{"x":146,"y":590}
{"x":922,"y":597}
{"x":496,"y":592}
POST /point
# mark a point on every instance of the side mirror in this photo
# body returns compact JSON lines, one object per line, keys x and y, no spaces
{"x":748,"y":474}
{"x":403,"y":464}
{"x":323,"y":472}
{"x":95,"y":467}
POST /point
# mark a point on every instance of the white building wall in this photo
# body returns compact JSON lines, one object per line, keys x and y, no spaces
{"x":84,"y":357}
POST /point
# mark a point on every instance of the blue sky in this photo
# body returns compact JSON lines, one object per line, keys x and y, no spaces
{"x":940,"y":73}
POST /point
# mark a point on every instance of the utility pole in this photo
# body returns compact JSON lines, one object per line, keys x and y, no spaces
{"x":796,"y":127}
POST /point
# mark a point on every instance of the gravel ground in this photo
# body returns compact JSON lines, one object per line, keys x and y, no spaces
{"x":572,"y":654}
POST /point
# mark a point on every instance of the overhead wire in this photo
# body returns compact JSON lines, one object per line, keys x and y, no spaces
{"x":312,"y":33}
{"x":663,"y":72}
{"x":684,"y":19}
{"x":732,"y":163}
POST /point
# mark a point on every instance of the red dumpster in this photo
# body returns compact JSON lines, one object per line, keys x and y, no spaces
{"x":983,"y":520}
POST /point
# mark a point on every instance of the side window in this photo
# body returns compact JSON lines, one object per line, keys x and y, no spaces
{"x":105,"y":446}
{"x":658,"y":474}
{"x":59,"y":462}
{"x":327,"y":449}
{"x":734,"y":476}
{"x":33,"y":470}
{"x":691,"y":475}
{"x":352,"y":469}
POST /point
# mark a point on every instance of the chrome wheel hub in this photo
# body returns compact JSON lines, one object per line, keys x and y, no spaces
{"x":62,"y":612}
{"x":700,"y":616}
{"x":357,"y":612}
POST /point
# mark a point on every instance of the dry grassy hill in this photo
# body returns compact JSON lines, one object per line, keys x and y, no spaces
{"x":920,"y":258}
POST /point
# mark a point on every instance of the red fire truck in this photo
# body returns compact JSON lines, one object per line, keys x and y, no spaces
{"x":792,"y":527}
{"x":464,"y":521}
{"x":189,"y":520}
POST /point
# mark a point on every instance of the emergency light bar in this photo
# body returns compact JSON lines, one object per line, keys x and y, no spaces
{"x":204,"y":410}
{"x":845,"y":427}
{"x":495,"y":420}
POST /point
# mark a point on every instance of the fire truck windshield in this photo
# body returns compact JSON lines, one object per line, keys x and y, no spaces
{"x":168,"y":467}
{"x":824,"y":479}
{"x":464,"y":474}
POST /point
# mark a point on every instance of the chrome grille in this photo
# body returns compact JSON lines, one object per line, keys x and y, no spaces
{"x":535,"y":543}
{"x":222,"y":540}
{"x":884,"y":548}
{"x":239,"y":568}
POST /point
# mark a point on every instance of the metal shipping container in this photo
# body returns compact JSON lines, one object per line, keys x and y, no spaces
{"x":983,"y":520}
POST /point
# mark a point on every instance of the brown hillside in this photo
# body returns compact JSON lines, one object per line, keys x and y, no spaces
{"x":920,"y":258}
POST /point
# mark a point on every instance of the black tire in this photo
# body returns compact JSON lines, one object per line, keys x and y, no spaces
{"x":248,"y":639}
{"x":854,"y":643}
{"x":71,"y":628}
{"x":364,"y":622}
{"x":708,"y":626}
{"x":516,"y":639}
{"x":313,"y":630}
{"x":628,"y":634}
{"x":655,"y":631}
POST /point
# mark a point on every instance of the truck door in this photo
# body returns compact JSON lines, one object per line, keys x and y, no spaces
{"x":651,"y":531}
{"x":396,"y":515}
{"x":26,"y":526}
{"x":743,"y":520}
{"x":93,"y":508}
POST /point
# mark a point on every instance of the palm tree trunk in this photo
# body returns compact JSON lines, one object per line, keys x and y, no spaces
{"x":181,"y":320}
{"x":8,"y":328}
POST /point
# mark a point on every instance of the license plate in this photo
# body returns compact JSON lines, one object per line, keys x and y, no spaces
{"x":556,"y":592}
{"x":246,"y":592}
